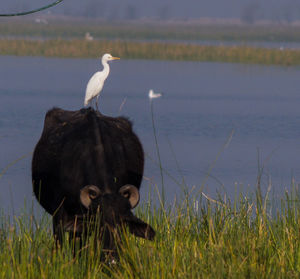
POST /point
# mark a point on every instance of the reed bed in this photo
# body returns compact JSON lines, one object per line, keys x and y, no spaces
{"x":149,"y":50}
{"x":198,"y":238}
{"x":148,"y":30}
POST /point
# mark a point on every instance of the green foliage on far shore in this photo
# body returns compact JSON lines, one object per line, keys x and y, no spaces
{"x":147,"y":40}
{"x":202,"y":238}
{"x":149,"y":50}
{"x":73,"y":28}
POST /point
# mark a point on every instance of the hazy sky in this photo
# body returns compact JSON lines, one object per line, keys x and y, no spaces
{"x":166,"y":9}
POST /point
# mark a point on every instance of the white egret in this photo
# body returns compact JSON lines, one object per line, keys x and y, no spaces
{"x":96,"y":82}
{"x":154,"y":95}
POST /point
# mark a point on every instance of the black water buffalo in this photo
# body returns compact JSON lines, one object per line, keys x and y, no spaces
{"x":88,"y":164}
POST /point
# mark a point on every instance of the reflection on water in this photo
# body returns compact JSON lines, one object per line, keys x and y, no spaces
{"x":204,"y":104}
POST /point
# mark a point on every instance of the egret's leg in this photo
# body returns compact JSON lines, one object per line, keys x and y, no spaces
{"x":92,"y":103}
{"x":97,"y":102}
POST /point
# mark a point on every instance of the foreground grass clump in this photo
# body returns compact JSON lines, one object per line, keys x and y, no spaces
{"x":150,"y":50}
{"x":204,"y":239}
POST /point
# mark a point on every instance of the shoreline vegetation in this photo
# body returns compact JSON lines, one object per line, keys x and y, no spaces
{"x":73,"y":28}
{"x":79,"y":48}
{"x":199,"y":238}
{"x":148,"y":40}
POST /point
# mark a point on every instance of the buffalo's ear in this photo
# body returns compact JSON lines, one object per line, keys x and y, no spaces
{"x":140,"y":228}
{"x":131,"y":193}
{"x":89,"y":193}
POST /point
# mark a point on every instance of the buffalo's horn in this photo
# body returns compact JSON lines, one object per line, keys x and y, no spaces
{"x":89,"y":193}
{"x":131,"y":193}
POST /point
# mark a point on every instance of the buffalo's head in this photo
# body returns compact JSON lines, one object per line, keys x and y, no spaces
{"x":113,"y":211}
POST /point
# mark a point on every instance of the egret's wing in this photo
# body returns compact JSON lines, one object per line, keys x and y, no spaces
{"x":93,"y":87}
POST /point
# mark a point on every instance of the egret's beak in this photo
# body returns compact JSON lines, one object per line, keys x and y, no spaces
{"x":115,"y":58}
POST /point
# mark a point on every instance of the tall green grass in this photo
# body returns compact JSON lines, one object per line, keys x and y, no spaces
{"x":154,"y":50}
{"x":197,"y":238}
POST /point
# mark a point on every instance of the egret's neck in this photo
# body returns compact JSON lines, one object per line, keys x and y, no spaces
{"x":105,"y":68}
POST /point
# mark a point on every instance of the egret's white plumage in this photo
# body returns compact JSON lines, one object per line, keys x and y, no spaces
{"x":154,"y":95}
{"x":96,"y":82}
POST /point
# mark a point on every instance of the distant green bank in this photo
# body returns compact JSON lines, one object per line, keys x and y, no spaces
{"x":149,"y":50}
{"x":73,"y":28}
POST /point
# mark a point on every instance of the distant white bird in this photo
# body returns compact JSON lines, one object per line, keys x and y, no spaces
{"x":41,"y":20}
{"x":154,"y":95}
{"x":88,"y":37}
{"x":96,"y":82}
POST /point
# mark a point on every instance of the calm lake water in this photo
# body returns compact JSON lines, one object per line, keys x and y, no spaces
{"x":213,"y":118}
